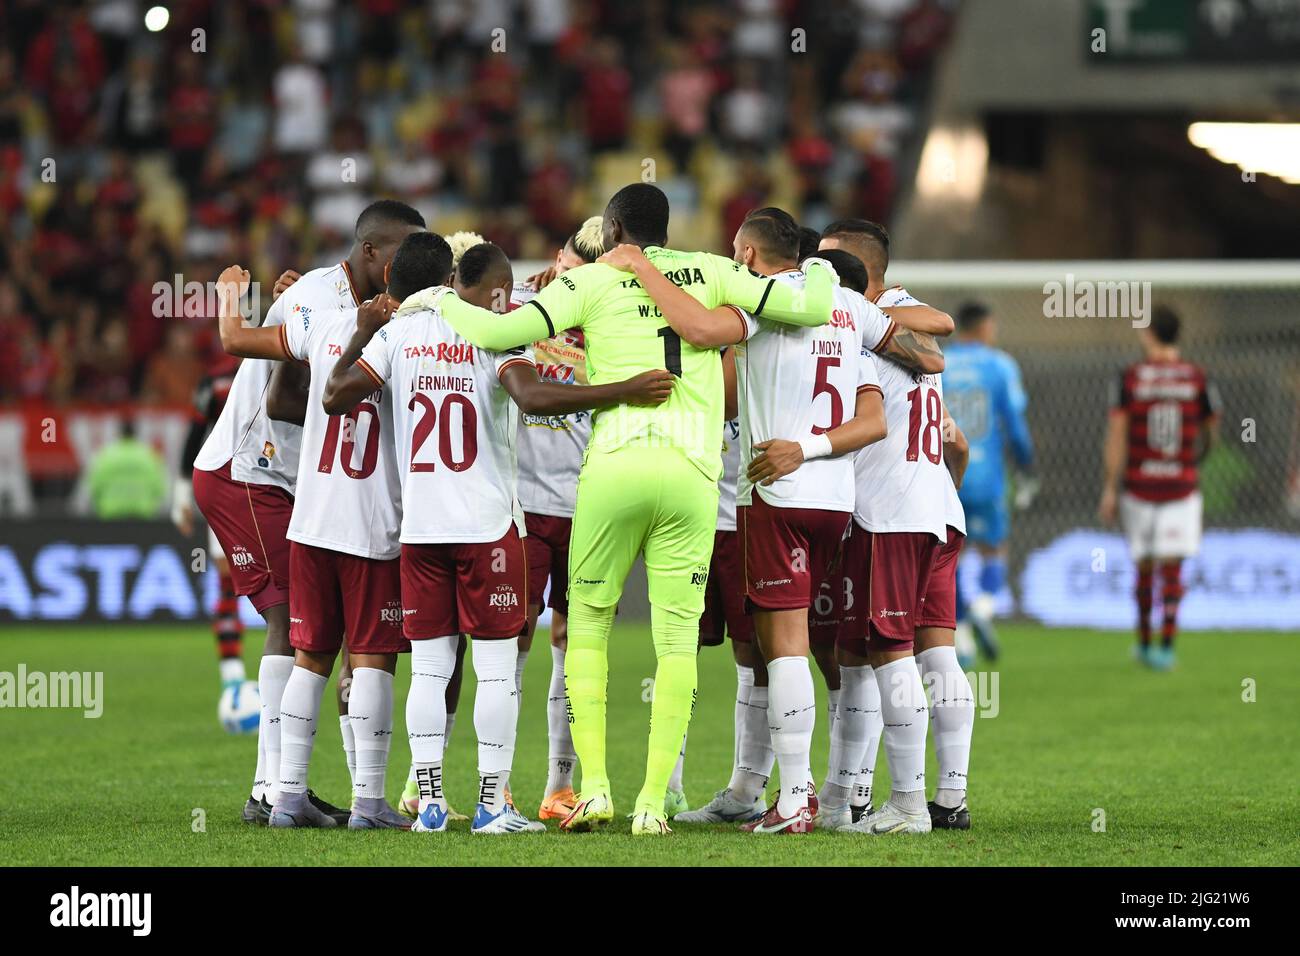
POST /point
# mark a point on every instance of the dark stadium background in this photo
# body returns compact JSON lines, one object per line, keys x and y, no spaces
{"x":986,"y":133}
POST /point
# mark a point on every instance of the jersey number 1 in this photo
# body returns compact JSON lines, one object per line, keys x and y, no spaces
{"x":672,"y":350}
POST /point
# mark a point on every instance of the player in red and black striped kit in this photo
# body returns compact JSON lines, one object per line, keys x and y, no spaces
{"x":1163,"y":419}
{"x":209,"y":399}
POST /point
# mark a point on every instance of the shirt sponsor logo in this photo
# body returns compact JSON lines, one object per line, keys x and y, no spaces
{"x":842,"y":319}
{"x":772,"y":584}
{"x":454,"y":353}
{"x":887,"y":613}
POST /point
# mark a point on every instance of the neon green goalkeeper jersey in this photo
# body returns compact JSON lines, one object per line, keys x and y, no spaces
{"x":626,"y":334}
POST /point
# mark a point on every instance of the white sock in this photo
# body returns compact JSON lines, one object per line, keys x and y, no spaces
{"x":744,"y":686}
{"x":904,"y":712}
{"x":370,"y":708}
{"x":833,"y":791}
{"x":492,"y":789}
{"x":792,"y":713}
{"x":299,"y":713}
{"x":259,"y":775}
{"x":272,"y":674}
{"x":675,"y":781}
{"x":432,"y":664}
{"x":952,"y":716}
{"x":448,"y":725}
{"x":858,"y":691}
{"x":749,"y":778}
{"x":561,"y":758}
{"x":349,"y":744}
{"x":872,"y":727}
{"x":496,"y":703}
{"x":519,"y":674}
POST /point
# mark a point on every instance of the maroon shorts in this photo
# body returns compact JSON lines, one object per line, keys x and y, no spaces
{"x":887,"y":578}
{"x":939,"y":609}
{"x":788,"y":553}
{"x":724,"y":596}
{"x":547,"y":546}
{"x":336,"y":594}
{"x":476,"y":589}
{"x":250,"y":521}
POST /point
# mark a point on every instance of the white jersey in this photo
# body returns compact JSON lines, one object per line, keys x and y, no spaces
{"x":454,"y":426}
{"x":902,"y":482}
{"x":794,"y":383}
{"x":730,"y":472}
{"x":349,"y":495}
{"x":551,"y":446}
{"x":954,"y":514}
{"x":262,"y":451}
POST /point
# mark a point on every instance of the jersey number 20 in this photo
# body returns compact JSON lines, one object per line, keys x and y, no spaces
{"x":441,"y":418}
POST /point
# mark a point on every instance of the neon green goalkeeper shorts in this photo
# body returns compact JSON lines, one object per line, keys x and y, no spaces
{"x":650,"y":501}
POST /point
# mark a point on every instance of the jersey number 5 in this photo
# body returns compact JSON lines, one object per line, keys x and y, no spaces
{"x":822,"y":386}
{"x":433,"y":416}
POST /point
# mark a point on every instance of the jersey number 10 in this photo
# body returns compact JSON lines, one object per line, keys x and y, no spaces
{"x":369,"y":455}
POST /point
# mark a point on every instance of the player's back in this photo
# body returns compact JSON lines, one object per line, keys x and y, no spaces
{"x":1167,"y":404}
{"x":259,"y":449}
{"x":985,"y":397}
{"x":454,"y":428}
{"x":550,"y":447}
{"x":349,"y":495}
{"x":793,"y":383}
{"x":626,"y":334}
{"x":901,"y":479}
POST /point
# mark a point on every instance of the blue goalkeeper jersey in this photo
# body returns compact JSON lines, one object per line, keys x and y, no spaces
{"x":984,"y":395}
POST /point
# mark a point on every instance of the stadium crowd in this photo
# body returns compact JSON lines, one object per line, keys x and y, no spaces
{"x":129,"y":157}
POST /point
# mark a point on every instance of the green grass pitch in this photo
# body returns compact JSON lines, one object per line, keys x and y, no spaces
{"x":1185,"y":771}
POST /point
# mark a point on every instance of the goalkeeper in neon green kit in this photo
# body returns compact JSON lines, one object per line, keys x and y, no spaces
{"x":649,"y":481}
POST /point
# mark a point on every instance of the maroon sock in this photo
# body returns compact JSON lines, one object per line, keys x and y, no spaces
{"x":1171,"y":593}
{"x":1144,"y":599}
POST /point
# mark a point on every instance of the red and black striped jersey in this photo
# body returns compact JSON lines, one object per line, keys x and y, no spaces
{"x":1167,"y":404}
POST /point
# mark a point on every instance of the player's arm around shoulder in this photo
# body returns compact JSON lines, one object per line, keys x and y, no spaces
{"x":909,"y":338}
{"x":693,"y":321}
{"x":536,"y":397}
{"x":353,"y":378}
{"x":557,"y":307}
